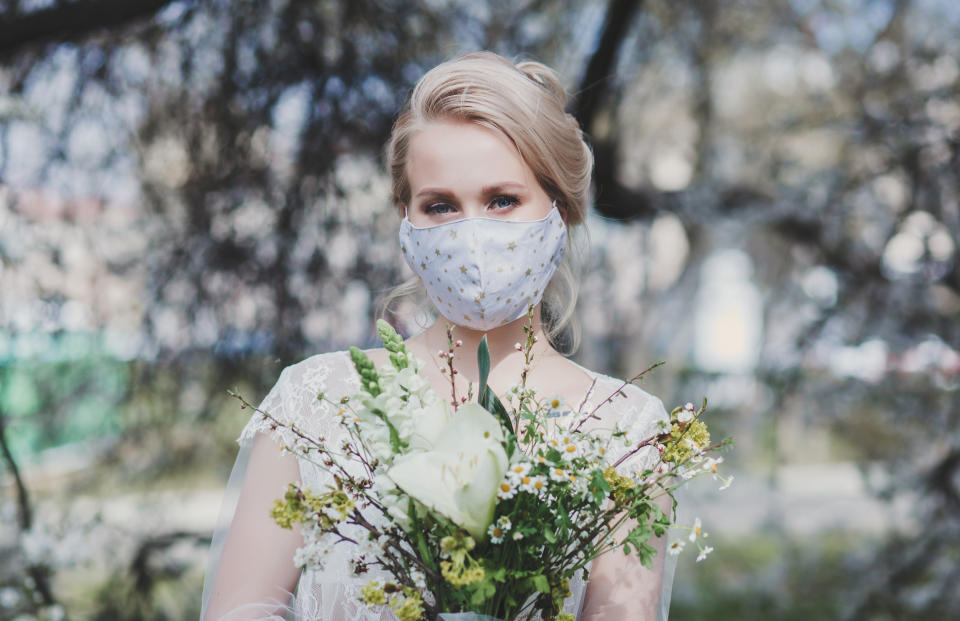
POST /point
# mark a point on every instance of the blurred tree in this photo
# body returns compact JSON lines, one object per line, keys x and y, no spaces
{"x":219,"y":167}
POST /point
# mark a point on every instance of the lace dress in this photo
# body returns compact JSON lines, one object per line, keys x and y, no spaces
{"x":332,"y":593}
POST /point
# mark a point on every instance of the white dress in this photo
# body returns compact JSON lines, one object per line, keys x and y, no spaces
{"x":332,"y":594}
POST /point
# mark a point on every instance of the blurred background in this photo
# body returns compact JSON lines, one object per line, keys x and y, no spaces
{"x":192,"y":197}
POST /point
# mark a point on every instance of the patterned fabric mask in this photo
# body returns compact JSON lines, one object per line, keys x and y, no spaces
{"x":482,"y":273}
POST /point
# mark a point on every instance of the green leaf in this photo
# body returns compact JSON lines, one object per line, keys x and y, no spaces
{"x":483,"y":591}
{"x":396,"y":444}
{"x":489,"y":400}
{"x":646,"y":553}
{"x":598,"y":486}
{"x":541,"y":583}
{"x":548,"y":535}
{"x":483,"y":362}
{"x":637,"y":538}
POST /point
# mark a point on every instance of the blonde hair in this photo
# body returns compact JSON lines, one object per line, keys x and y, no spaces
{"x":524,"y":102}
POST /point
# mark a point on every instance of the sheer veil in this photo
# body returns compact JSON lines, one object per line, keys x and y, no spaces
{"x":227,"y":509}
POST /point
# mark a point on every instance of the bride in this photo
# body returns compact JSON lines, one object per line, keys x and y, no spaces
{"x":483,"y":157}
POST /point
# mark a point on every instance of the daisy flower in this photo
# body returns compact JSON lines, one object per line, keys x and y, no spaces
{"x":558,"y":474}
{"x":507,"y":489}
{"x":519,"y":470}
{"x":535,"y":485}
{"x":696,"y":530}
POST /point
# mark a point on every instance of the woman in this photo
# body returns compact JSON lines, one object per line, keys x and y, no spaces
{"x":489,"y":174}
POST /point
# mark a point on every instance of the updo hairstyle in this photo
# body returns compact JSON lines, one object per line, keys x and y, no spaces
{"x":525,"y":103}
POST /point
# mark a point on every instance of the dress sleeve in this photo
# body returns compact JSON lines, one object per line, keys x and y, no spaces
{"x":637,"y":413}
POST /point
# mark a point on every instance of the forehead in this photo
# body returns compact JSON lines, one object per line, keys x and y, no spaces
{"x":460,"y":155}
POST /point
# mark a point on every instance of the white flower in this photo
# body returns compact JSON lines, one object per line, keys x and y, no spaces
{"x":389,"y":496}
{"x":686,"y":414}
{"x":675,"y":548}
{"x":419,"y":580}
{"x":496,"y":533}
{"x":518,"y":471}
{"x":370,"y":548}
{"x":711,"y":465}
{"x":703,"y":553}
{"x":312,"y":554}
{"x":535,"y":485}
{"x":556,"y":407}
{"x":517,"y":535}
{"x":696,"y":530}
{"x":507,"y":489}
{"x":726,"y":483}
{"x":460,"y":473}
{"x":558,"y":474}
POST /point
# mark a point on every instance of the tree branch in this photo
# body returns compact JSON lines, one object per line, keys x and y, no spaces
{"x":23,"y":498}
{"x":69,"y":21}
{"x":613,"y":199}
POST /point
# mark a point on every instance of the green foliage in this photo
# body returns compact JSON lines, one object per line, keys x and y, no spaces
{"x":489,"y":400}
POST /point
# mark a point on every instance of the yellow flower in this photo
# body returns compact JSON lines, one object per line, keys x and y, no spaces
{"x":685,"y":440}
{"x":372,"y":593}
{"x":409,"y":607}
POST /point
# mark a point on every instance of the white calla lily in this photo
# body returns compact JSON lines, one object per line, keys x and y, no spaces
{"x":458,"y":475}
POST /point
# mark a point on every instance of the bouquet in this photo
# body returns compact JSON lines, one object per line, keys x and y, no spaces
{"x":476,"y":506}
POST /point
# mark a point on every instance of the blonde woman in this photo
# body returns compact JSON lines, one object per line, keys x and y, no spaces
{"x":483,"y":154}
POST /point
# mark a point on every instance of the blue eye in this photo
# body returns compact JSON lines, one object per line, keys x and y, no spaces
{"x":437,"y":209}
{"x":504,"y":202}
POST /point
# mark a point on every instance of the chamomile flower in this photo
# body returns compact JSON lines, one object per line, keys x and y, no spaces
{"x":711,"y":465}
{"x":535,"y":485}
{"x":726,"y":483}
{"x":504,"y":522}
{"x":519,"y":470}
{"x":558,"y":474}
{"x":703,"y":553}
{"x":675,"y":548}
{"x":555,"y":407}
{"x":569,"y":450}
{"x":507,"y":489}
{"x":496,"y":533}
{"x":696,"y":530}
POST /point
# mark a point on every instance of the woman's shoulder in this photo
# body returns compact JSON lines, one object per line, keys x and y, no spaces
{"x":293,"y":399}
{"x":614,"y":390}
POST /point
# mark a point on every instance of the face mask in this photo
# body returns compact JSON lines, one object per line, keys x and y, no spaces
{"x":483,"y":273}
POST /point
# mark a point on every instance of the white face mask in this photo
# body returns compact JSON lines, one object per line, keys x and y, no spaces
{"x":483,"y":273}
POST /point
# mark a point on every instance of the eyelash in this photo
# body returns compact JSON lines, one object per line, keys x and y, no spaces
{"x":435,"y":208}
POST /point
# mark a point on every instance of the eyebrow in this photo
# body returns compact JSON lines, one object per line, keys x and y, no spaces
{"x":487,"y":190}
